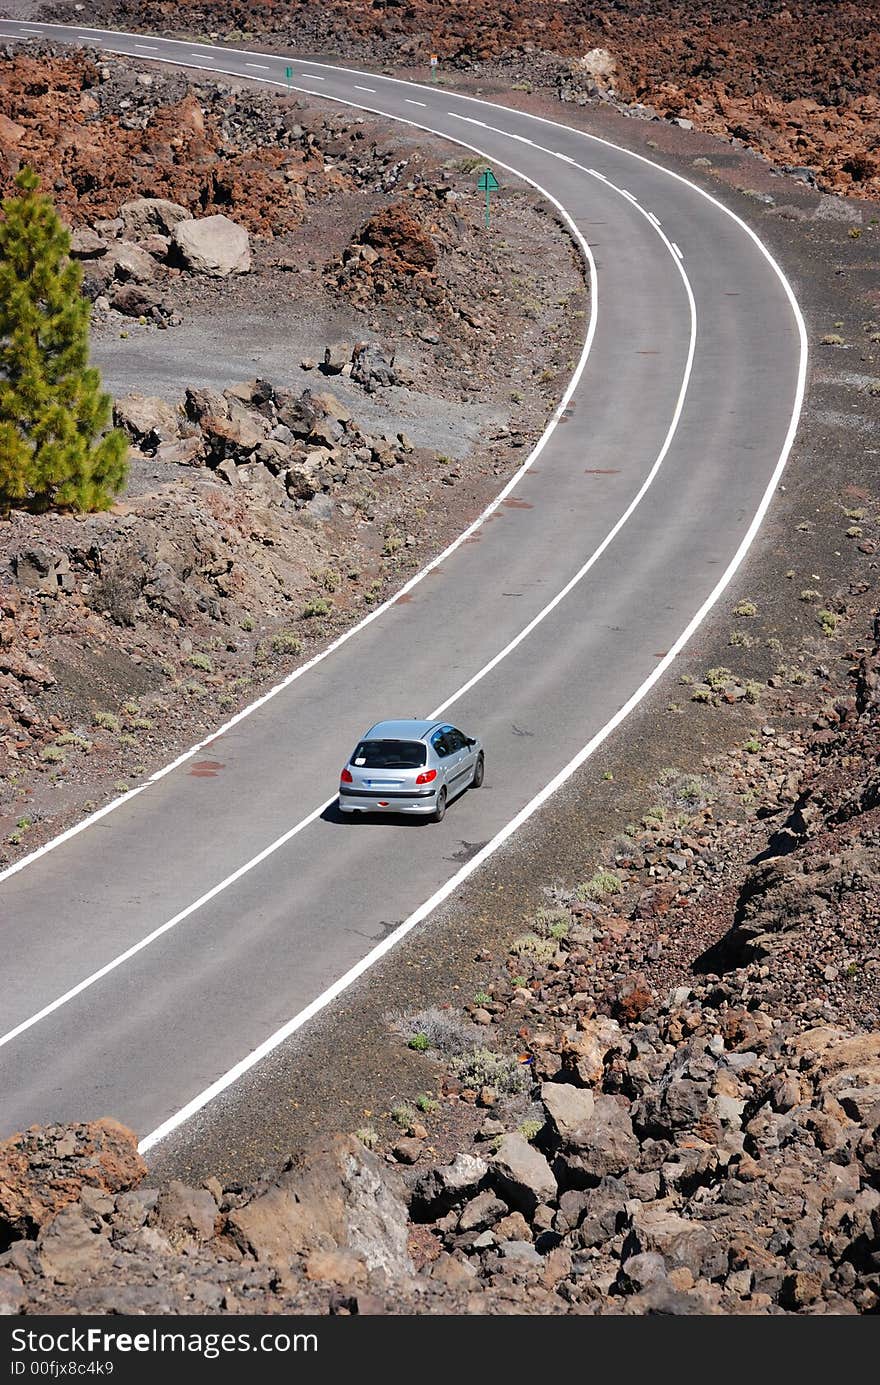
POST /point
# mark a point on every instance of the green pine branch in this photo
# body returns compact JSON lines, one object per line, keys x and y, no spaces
{"x":55,"y":448}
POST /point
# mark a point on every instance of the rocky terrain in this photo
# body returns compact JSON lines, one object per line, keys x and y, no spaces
{"x":666,"y":1098}
{"x":798,"y":81}
{"x":662,"y":1092}
{"x":261,"y":517}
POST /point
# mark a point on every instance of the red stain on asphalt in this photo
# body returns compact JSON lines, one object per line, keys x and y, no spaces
{"x":473,"y":538}
{"x":404,"y":599}
{"x":601,"y":471}
{"x":206,"y":769}
{"x":513,"y":504}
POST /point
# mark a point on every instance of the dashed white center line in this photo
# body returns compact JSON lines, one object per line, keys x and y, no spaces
{"x":311,"y":77}
{"x":145,"y":48}
{"x":409,"y":101}
{"x":263,"y":67}
{"x":677,"y":251}
{"x":655,"y":219}
{"x":203,"y":57}
{"x":372,"y":89}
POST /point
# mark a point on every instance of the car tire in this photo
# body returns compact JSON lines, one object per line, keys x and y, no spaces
{"x":439,"y":812}
{"x":479,"y":771}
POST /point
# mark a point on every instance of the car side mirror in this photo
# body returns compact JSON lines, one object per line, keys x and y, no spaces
{"x":471,"y":741}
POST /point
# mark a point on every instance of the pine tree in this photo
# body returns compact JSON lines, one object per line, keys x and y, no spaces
{"x":54,"y":450}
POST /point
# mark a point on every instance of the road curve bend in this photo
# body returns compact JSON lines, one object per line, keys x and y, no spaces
{"x":157,"y":952}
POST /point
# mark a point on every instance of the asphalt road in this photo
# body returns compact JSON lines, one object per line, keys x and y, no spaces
{"x":658,"y":470}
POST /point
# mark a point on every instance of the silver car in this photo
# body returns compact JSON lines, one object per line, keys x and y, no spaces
{"x":410,"y":767}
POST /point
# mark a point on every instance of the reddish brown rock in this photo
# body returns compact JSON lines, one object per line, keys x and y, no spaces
{"x":47,"y":1167}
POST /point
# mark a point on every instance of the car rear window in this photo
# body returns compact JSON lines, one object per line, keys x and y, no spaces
{"x":390,"y":754}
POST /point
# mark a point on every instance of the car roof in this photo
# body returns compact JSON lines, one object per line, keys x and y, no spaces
{"x":408,"y":730}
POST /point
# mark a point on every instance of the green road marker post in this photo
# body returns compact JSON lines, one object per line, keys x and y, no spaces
{"x":288,"y":72}
{"x":487,"y":182}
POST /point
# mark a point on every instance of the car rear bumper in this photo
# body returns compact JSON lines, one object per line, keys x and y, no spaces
{"x":364,"y":801}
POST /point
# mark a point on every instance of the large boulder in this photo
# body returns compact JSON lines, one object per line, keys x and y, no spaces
{"x":522,"y":1174}
{"x":148,"y":216}
{"x":213,"y":245}
{"x":371,"y":367}
{"x":439,"y":1189}
{"x":147,"y":419}
{"x":46,"y":1168}
{"x":344,"y":1198}
{"x":603,"y":1144}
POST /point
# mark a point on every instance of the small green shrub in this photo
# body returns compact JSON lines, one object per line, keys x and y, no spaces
{"x":809,"y":595}
{"x":603,"y":884}
{"x":201,"y":661}
{"x":541,"y":950}
{"x":717,"y":677}
{"x":485,"y":1068}
{"x":367,"y":1136}
{"x":75,"y":742}
{"x":745,"y":608}
{"x":286,"y":642}
{"x":741,"y":639}
{"x":392,"y":544}
{"x":446,"y":1031}
{"x":753,"y":691}
{"x":426,"y":1104}
{"x":482,"y":998}
{"x":752,"y":746}
{"x":546,"y":920}
{"x":328,"y":578}
{"x":829,"y":622}
{"x":530,"y":1128}
{"x":404,"y":1115}
{"x":832,"y":339}
{"x":246,"y":623}
{"x":52,"y":755}
{"x":106,"y":720}
{"x":318,"y":606}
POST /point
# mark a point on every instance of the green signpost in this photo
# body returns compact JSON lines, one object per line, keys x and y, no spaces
{"x":487,"y":182}
{"x":288,"y":72}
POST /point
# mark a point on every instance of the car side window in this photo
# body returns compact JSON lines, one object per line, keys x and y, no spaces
{"x":438,"y":741}
{"x":455,"y":740}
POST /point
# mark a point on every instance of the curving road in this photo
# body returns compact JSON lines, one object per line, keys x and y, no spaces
{"x":155,"y":955}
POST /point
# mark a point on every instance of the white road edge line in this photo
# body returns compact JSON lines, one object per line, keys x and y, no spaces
{"x":677,"y":251}
{"x":242,"y":870}
{"x":144,"y":942}
{"x":640,"y":693}
{"x":409,"y":101}
{"x":417,"y":577}
{"x":523,"y":634}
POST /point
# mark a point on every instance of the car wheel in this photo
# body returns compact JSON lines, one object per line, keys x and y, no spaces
{"x":440,"y":811}
{"x":479,"y":771}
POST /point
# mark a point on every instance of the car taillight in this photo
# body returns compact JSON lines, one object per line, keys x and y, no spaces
{"x":345,"y":777}
{"x":426,"y":778}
